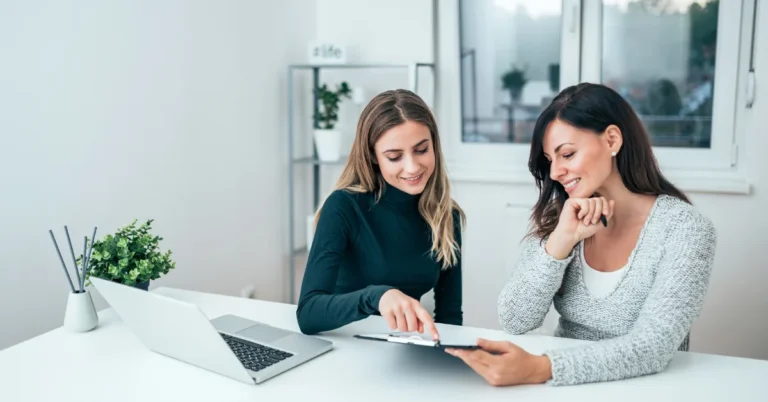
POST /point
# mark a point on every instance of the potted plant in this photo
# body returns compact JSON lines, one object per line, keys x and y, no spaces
{"x":130,"y":256}
{"x":327,"y":139}
{"x":513,"y":81}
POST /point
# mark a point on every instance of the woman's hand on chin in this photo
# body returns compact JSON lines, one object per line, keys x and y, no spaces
{"x":580,"y":218}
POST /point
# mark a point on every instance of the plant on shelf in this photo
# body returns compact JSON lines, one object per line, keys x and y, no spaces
{"x":513,"y":81}
{"x":328,"y":114}
{"x":327,"y":139}
{"x":130,"y":256}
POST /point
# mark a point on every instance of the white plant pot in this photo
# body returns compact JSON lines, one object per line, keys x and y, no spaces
{"x":328,"y":143}
{"x":80,"y":315}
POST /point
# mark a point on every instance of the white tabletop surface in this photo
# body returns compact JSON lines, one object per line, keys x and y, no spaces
{"x":109,"y":364}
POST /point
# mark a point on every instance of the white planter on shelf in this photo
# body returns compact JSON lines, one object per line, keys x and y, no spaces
{"x":328,"y":143}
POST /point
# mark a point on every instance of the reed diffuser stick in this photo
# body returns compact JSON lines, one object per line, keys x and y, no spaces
{"x":63,"y":265}
{"x":72,"y":251}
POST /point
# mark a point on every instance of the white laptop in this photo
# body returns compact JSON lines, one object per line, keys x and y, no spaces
{"x":233,"y":346}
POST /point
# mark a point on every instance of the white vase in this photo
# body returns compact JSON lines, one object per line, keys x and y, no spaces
{"x":80,"y":315}
{"x":328,"y":143}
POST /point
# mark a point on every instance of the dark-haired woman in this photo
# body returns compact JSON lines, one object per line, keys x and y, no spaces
{"x":633,"y":282}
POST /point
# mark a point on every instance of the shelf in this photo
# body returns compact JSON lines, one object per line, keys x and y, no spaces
{"x":313,"y":161}
{"x":355,"y":66}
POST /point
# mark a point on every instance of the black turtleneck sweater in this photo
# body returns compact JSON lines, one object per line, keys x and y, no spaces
{"x":363,"y":248}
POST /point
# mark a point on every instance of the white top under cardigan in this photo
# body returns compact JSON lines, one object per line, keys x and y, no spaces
{"x":599,"y":283}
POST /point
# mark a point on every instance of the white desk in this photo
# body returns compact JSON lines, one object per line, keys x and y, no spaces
{"x":109,"y":364}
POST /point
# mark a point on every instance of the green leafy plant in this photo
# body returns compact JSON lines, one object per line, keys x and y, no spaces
{"x":130,"y":256}
{"x":513,"y":81}
{"x":328,"y":114}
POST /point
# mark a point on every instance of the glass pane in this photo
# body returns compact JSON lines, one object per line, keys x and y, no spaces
{"x":510,"y":66}
{"x":660,"y":55}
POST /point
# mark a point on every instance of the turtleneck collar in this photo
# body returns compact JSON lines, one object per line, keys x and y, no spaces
{"x":395,"y":196}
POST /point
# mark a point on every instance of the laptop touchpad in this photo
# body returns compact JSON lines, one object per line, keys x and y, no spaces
{"x":263,"y":333}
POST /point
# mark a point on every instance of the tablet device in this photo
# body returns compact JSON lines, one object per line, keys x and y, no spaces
{"x":416,"y":339}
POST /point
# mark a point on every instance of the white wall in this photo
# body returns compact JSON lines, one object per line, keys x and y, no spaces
{"x":172,"y":110}
{"x":733,"y":321}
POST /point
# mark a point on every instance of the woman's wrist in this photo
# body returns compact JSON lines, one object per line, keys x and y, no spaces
{"x":558,"y":246}
{"x":541,"y":370}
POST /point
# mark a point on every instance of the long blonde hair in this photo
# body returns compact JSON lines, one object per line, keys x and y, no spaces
{"x":386,"y":110}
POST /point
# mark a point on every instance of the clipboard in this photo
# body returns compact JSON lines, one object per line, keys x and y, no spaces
{"x":411,"y":339}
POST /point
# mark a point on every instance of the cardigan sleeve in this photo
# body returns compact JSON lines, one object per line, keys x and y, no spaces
{"x":527,"y":296}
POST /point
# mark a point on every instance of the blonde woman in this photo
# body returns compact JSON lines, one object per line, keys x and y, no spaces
{"x":389,"y":232}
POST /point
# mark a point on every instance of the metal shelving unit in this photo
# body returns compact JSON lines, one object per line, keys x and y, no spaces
{"x":413,"y":72}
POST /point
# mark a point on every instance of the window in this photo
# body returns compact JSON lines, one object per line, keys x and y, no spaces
{"x":660,"y":56}
{"x":678,"y":62}
{"x":510,"y":67}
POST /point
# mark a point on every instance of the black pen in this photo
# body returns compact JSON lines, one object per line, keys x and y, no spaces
{"x":604,"y":220}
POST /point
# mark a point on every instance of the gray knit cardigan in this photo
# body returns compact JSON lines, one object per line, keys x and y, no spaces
{"x":640,"y":325}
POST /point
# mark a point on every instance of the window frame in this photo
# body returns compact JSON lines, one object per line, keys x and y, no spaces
{"x":716,"y":169}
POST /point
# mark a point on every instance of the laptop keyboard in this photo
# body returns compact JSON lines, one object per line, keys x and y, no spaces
{"x":254,"y":357}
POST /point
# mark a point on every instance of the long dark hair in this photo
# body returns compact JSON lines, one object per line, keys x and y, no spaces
{"x":594,"y":107}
